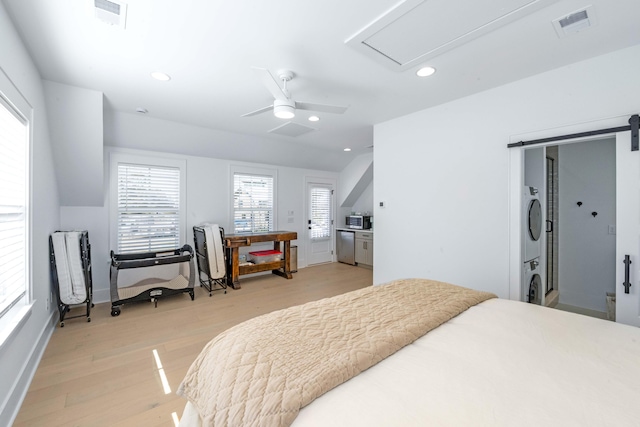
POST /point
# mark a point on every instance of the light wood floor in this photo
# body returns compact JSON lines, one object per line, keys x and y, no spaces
{"x":104,"y":373}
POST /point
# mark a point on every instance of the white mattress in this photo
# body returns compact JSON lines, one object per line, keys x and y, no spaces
{"x":214,"y":251}
{"x":66,"y":248}
{"x":500,"y":363}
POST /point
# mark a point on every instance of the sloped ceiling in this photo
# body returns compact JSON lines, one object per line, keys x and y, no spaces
{"x":209,"y":46}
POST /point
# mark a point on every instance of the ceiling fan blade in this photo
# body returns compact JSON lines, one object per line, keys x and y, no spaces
{"x":334,"y":109}
{"x":259,"y":111}
{"x":271,"y":83}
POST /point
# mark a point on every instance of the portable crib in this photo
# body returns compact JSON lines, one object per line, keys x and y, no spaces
{"x":70,"y":257}
{"x":147,"y":276}
{"x":210,"y":256}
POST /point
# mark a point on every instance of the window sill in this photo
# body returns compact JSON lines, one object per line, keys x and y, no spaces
{"x":14,"y":322}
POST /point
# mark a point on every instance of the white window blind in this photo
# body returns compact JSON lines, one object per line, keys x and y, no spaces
{"x":148,"y":208}
{"x":14,"y":142}
{"x":320,"y":212}
{"x":252,"y":203}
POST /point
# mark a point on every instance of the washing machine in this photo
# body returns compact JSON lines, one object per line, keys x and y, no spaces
{"x":532,"y":224}
{"x":532,"y":282}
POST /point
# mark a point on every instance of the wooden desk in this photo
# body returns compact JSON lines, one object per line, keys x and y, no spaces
{"x":233,"y":243}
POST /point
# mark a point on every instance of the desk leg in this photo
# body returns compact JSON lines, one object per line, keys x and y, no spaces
{"x":286,"y":271}
{"x":235,"y":268}
{"x":287,"y":259}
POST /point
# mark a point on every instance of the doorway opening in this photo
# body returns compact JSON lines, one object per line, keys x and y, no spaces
{"x":320,"y":212}
{"x":577,"y":184}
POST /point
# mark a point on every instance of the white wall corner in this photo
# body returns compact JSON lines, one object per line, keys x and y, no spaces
{"x":11,"y":406}
{"x":354,"y":179}
{"x":76,"y":129}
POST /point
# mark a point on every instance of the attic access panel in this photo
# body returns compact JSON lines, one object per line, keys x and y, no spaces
{"x":417,"y":30}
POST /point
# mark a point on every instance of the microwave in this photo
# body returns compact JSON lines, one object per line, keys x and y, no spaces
{"x":359,"y":222}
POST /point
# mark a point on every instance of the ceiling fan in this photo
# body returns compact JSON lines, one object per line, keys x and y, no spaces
{"x":284,"y":107}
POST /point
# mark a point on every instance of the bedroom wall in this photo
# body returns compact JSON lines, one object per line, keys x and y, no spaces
{"x":448,"y":167}
{"x":20,"y":353}
{"x":587,"y":173}
{"x":76,"y":132}
{"x":208,"y":200}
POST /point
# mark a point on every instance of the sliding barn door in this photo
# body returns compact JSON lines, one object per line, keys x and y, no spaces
{"x":628,"y":231}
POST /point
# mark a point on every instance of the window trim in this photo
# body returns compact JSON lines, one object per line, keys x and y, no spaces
{"x":15,"y":318}
{"x":117,"y":157}
{"x":251,"y":170}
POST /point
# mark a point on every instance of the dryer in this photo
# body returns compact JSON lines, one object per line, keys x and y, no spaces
{"x":532,"y":224}
{"x":532,"y":282}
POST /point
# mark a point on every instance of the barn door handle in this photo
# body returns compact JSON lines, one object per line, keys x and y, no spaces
{"x":626,"y":283}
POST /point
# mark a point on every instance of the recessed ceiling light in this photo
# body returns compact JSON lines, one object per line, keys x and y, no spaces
{"x":425,"y":71}
{"x":163,"y":77}
{"x":142,"y":110}
{"x":314,"y":118}
{"x":347,"y":149}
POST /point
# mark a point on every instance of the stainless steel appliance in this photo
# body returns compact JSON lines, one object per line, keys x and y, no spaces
{"x":346,"y":246}
{"x":358,"y":222}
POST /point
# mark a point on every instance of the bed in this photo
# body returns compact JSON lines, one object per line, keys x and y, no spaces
{"x":495,"y":362}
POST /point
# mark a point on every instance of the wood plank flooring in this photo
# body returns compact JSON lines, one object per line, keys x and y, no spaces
{"x":104,"y":373}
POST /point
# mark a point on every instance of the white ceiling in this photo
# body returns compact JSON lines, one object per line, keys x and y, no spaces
{"x":209,"y":46}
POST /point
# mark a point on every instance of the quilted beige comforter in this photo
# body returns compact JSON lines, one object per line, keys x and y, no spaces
{"x":263,"y":371}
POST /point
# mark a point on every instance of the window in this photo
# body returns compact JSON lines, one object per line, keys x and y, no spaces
{"x":253,"y":202}
{"x":148,"y":204}
{"x":14,"y":160}
{"x":320,"y":212}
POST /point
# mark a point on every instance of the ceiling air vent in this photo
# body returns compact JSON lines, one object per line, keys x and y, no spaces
{"x":575,"y":22}
{"x":112,"y":12}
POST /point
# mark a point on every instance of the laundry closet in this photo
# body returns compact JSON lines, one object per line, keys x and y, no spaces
{"x":569,"y":225}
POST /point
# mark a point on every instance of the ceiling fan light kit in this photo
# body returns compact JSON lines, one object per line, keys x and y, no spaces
{"x":284,"y":108}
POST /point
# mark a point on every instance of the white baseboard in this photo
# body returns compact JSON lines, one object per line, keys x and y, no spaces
{"x":11,"y":407}
{"x":101,"y":295}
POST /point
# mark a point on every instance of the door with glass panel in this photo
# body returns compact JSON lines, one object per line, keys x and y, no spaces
{"x":319,"y":223}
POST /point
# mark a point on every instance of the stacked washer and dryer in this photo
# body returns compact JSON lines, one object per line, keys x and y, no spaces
{"x":532,"y":245}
